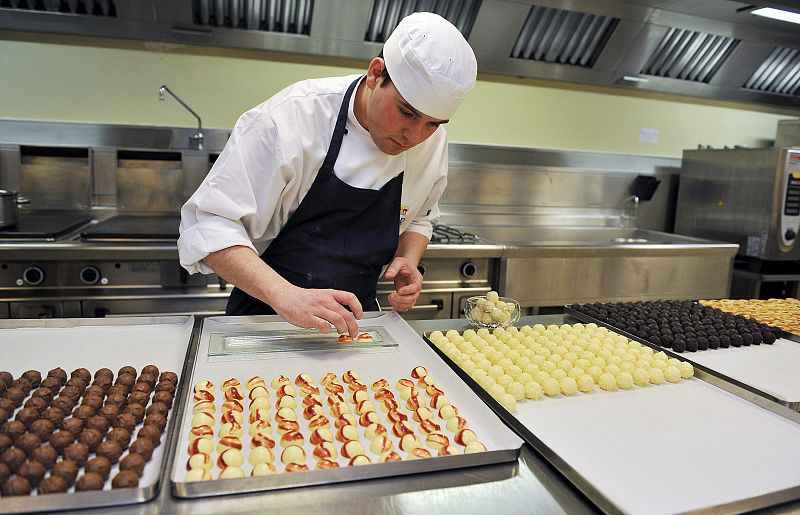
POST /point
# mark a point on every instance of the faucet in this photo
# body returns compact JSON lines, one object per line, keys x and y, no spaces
{"x":630,"y":208}
{"x":196,"y":139}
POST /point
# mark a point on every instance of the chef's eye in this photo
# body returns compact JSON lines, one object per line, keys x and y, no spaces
{"x":406,"y":113}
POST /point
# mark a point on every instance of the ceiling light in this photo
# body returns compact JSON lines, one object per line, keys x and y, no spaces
{"x":778,"y":14}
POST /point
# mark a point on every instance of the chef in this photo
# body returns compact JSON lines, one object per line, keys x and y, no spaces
{"x":332,"y":179}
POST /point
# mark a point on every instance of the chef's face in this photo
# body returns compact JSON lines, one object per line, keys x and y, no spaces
{"x":395,"y":125}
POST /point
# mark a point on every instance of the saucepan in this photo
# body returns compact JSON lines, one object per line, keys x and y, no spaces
{"x":9,"y":208}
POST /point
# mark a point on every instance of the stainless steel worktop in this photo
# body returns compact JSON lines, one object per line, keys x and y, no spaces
{"x":529,"y":486}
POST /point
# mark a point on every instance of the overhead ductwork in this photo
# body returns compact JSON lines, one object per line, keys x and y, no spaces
{"x":713,"y":49}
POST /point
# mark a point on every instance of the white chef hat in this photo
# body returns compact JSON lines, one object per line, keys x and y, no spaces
{"x":430,"y":63}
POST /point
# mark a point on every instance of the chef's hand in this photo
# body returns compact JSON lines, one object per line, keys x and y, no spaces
{"x":319,"y":309}
{"x":407,"y":284}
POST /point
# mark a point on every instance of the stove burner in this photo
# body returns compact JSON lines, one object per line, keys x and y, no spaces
{"x":446,"y":234}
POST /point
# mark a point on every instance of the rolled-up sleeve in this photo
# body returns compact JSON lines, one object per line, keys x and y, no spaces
{"x":235,"y":204}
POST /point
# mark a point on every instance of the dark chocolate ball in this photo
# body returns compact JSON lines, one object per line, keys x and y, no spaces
{"x":14,"y":428}
{"x":15,"y":395}
{"x":138,"y":398}
{"x":37,"y":403}
{"x":65,"y":469}
{"x":127,"y":370}
{"x":27,"y":416}
{"x":98,"y":422}
{"x":45,"y":454}
{"x":126,"y":379}
{"x":74,"y":425}
{"x":23,"y":384}
{"x":6,"y":378}
{"x":148,"y":378}
{"x":77,"y":452}
{"x":137,"y":410}
{"x":103,"y":372}
{"x":13,"y":458}
{"x":33,"y":471}
{"x":27,"y":442}
{"x":4,"y":416}
{"x":119,"y":435}
{"x":118,"y":389}
{"x":58,"y":373}
{"x":52,"y":485}
{"x":125,"y":479}
{"x":142,"y":387}
{"x":16,"y":486}
{"x":151,"y":369}
{"x":43,"y":392}
{"x":61,"y":439}
{"x":72,"y":393}
{"x":76,"y":382}
{"x":90,"y":481}
{"x":165,"y":386}
{"x":691,"y":344}
{"x":172,"y":377}
{"x":5,"y":442}
{"x":115,"y":399}
{"x":34,"y":376}
{"x":125,"y":421}
{"x":84,"y":412}
{"x":158,"y":420}
{"x":94,"y":391}
{"x":142,"y":446}
{"x":54,"y":415}
{"x":91,"y":438}
{"x":42,"y":428}
{"x":713,"y":342}
{"x":102,"y":381}
{"x":95,"y":402}
{"x":109,"y":411}
{"x":8,"y":405}
{"x":134,"y":463}
{"x":83,"y":374}
{"x":157,"y":407}
{"x":747,"y":339}
{"x":111,"y":450}
{"x":757,"y":338}
{"x":769,"y":338}
{"x":63,"y":403}
{"x":99,"y":465}
{"x":150,"y":432}
{"x":52,"y":383}
{"x":164,"y":398}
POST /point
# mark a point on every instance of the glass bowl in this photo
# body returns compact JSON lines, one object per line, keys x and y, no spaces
{"x":485,"y":313}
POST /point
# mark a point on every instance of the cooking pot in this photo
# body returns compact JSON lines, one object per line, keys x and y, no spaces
{"x":9,"y":208}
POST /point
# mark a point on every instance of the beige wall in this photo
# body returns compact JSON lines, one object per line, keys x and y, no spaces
{"x":114,"y":82}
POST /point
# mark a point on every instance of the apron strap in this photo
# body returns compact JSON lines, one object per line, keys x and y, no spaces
{"x":338,"y":130}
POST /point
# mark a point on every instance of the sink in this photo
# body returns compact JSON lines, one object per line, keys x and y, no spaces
{"x":526,"y":236}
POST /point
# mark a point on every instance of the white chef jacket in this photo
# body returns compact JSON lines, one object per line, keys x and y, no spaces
{"x":272,"y":158}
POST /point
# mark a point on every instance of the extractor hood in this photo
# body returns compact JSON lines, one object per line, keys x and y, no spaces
{"x":711,"y":48}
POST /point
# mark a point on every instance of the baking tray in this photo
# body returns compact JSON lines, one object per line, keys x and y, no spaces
{"x":777,"y":394}
{"x":643,"y":464}
{"x":391,"y":363}
{"x":274,"y":342}
{"x":95,"y":343}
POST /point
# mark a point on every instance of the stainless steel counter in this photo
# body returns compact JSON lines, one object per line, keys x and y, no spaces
{"x":529,"y":486}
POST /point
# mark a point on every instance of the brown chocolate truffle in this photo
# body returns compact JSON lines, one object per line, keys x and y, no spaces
{"x":52,"y":485}
{"x":37,"y":403}
{"x":58,"y":373}
{"x":63,"y":403}
{"x":125,"y":421}
{"x":119,"y":435}
{"x":115,"y":399}
{"x":127,"y":370}
{"x":157,"y":407}
{"x":71,"y":391}
{"x":137,"y":410}
{"x":6,"y":378}
{"x":142,"y":387}
{"x":45,"y":454}
{"x":13,"y":428}
{"x":23,"y":384}
{"x":27,"y":442}
{"x":77,"y":452}
{"x":33,"y":471}
{"x":83,"y":411}
{"x":5,"y":442}
{"x":94,"y":401}
{"x":13,"y":458}
{"x":164,"y":397}
{"x":5,"y":473}
{"x":8,"y":405}
{"x":90,"y":481}
{"x":83,"y":374}
{"x":158,"y":420}
{"x":111,"y":450}
{"x":120,"y":389}
{"x":61,"y":439}
{"x":16,"y":486}
{"x":99,"y":465}
{"x":126,"y":379}
{"x":34,"y":376}
{"x":102,"y":381}
{"x":42,"y":428}
{"x":27,"y":416}
{"x":144,"y":447}
{"x":165,"y":386}
{"x":54,"y":415}
{"x":172,"y":377}
{"x":4,"y":416}
{"x":43,"y":392}
{"x":109,"y":411}
{"x":150,"y":432}
{"x":104,"y":372}
{"x":15,"y":395}
{"x":52,"y":383}
{"x":151,"y":369}
{"x":2,"y":387}
{"x":148,"y":378}
{"x":65,"y":469}
{"x":91,"y":438}
{"x":138,"y":398}
{"x":98,"y":422}
{"x":125,"y":479}
{"x":134,"y":463}
{"x":74,"y":425}
{"x":94,"y":391}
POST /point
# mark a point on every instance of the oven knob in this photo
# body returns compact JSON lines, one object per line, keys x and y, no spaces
{"x":89,"y":275}
{"x":469,"y":269}
{"x":33,"y":275}
{"x":422,"y":269}
{"x":790,"y":234}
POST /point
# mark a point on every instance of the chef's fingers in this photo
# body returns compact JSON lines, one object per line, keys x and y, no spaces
{"x":349,"y":300}
{"x":337,"y":319}
{"x":321,"y":324}
{"x":410,"y":289}
{"x":397,"y":266}
{"x":344,"y":320}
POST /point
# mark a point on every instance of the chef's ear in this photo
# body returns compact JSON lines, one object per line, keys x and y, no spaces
{"x":374,"y":71}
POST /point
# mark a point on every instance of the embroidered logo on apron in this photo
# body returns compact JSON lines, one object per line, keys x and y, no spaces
{"x":403,"y":213}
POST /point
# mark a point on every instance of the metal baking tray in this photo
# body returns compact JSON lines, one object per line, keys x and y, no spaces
{"x":573,"y":464}
{"x":94,"y":343}
{"x":294,"y":340}
{"x":390,"y":363}
{"x":754,"y":393}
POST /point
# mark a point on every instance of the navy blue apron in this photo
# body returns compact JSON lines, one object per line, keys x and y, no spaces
{"x":339,"y":237}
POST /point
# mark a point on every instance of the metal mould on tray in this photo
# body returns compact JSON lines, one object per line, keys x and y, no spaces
{"x":296,"y":340}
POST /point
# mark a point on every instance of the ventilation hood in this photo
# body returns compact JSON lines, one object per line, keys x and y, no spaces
{"x":713,"y":49}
